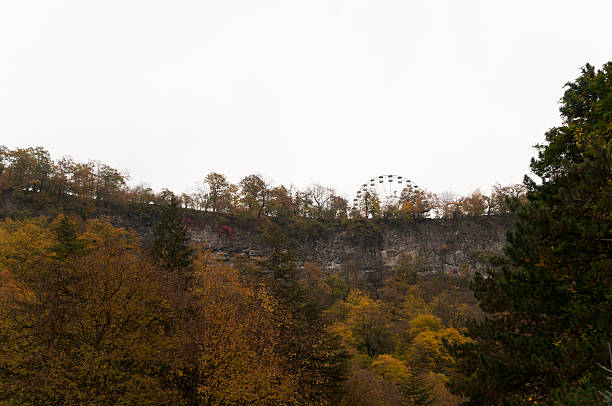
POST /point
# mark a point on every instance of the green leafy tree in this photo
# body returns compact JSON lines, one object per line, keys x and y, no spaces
{"x":550,"y":310}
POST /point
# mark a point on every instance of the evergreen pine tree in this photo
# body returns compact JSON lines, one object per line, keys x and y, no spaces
{"x":68,"y":244}
{"x":171,"y":249}
{"x":317,"y":355}
{"x":417,"y":393}
{"x":549,"y":308}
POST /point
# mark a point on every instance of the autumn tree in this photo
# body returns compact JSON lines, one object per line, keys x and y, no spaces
{"x":254,"y":194}
{"x":502,"y":197}
{"x":368,"y":205}
{"x":237,"y":347}
{"x":62,"y":177}
{"x":82,"y":317}
{"x":320,"y":197}
{"x":109,"y":183}
{"x":338,"y":208}
{"x":83,"y":181}
{"x":364,"y":387}
{"x":220,"y":192}
{"x":427,"y":345}
{"x":415,"y":203}
{"x":141,"y":194}
{"x":26,"y":170}
{"x":446,"y":204}
{"x":369,"y":325}
{"x":280,"y":204}
{"x":474,"y":205}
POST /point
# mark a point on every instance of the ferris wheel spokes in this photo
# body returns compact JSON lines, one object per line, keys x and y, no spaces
{"x":384,"y":189}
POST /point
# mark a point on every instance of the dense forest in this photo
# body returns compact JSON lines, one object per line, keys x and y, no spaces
{"x":91,"y":312}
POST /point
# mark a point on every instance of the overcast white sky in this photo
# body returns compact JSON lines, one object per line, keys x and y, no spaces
{"x":452,"y":94}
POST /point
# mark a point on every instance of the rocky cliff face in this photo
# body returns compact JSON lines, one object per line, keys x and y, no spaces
{"x":365,"y":250}
{"x":449,"y":247}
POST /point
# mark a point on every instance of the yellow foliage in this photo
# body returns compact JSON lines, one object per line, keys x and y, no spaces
{"x":88,"y":319}
{"x":428,"y":350}
{"x":424,"y":322}
{"x":369,"y":325}
{"x":392,"y":369}
{"x":238,"y":339}
{"x":89,"y":331}
{"x":343,"y":331}
{"x":25,"y":247}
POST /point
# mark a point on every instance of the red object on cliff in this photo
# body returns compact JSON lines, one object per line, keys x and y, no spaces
{"x":227,"y":230}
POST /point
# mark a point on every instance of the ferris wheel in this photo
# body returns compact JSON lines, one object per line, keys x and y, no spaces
{"x":386,"y":188}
